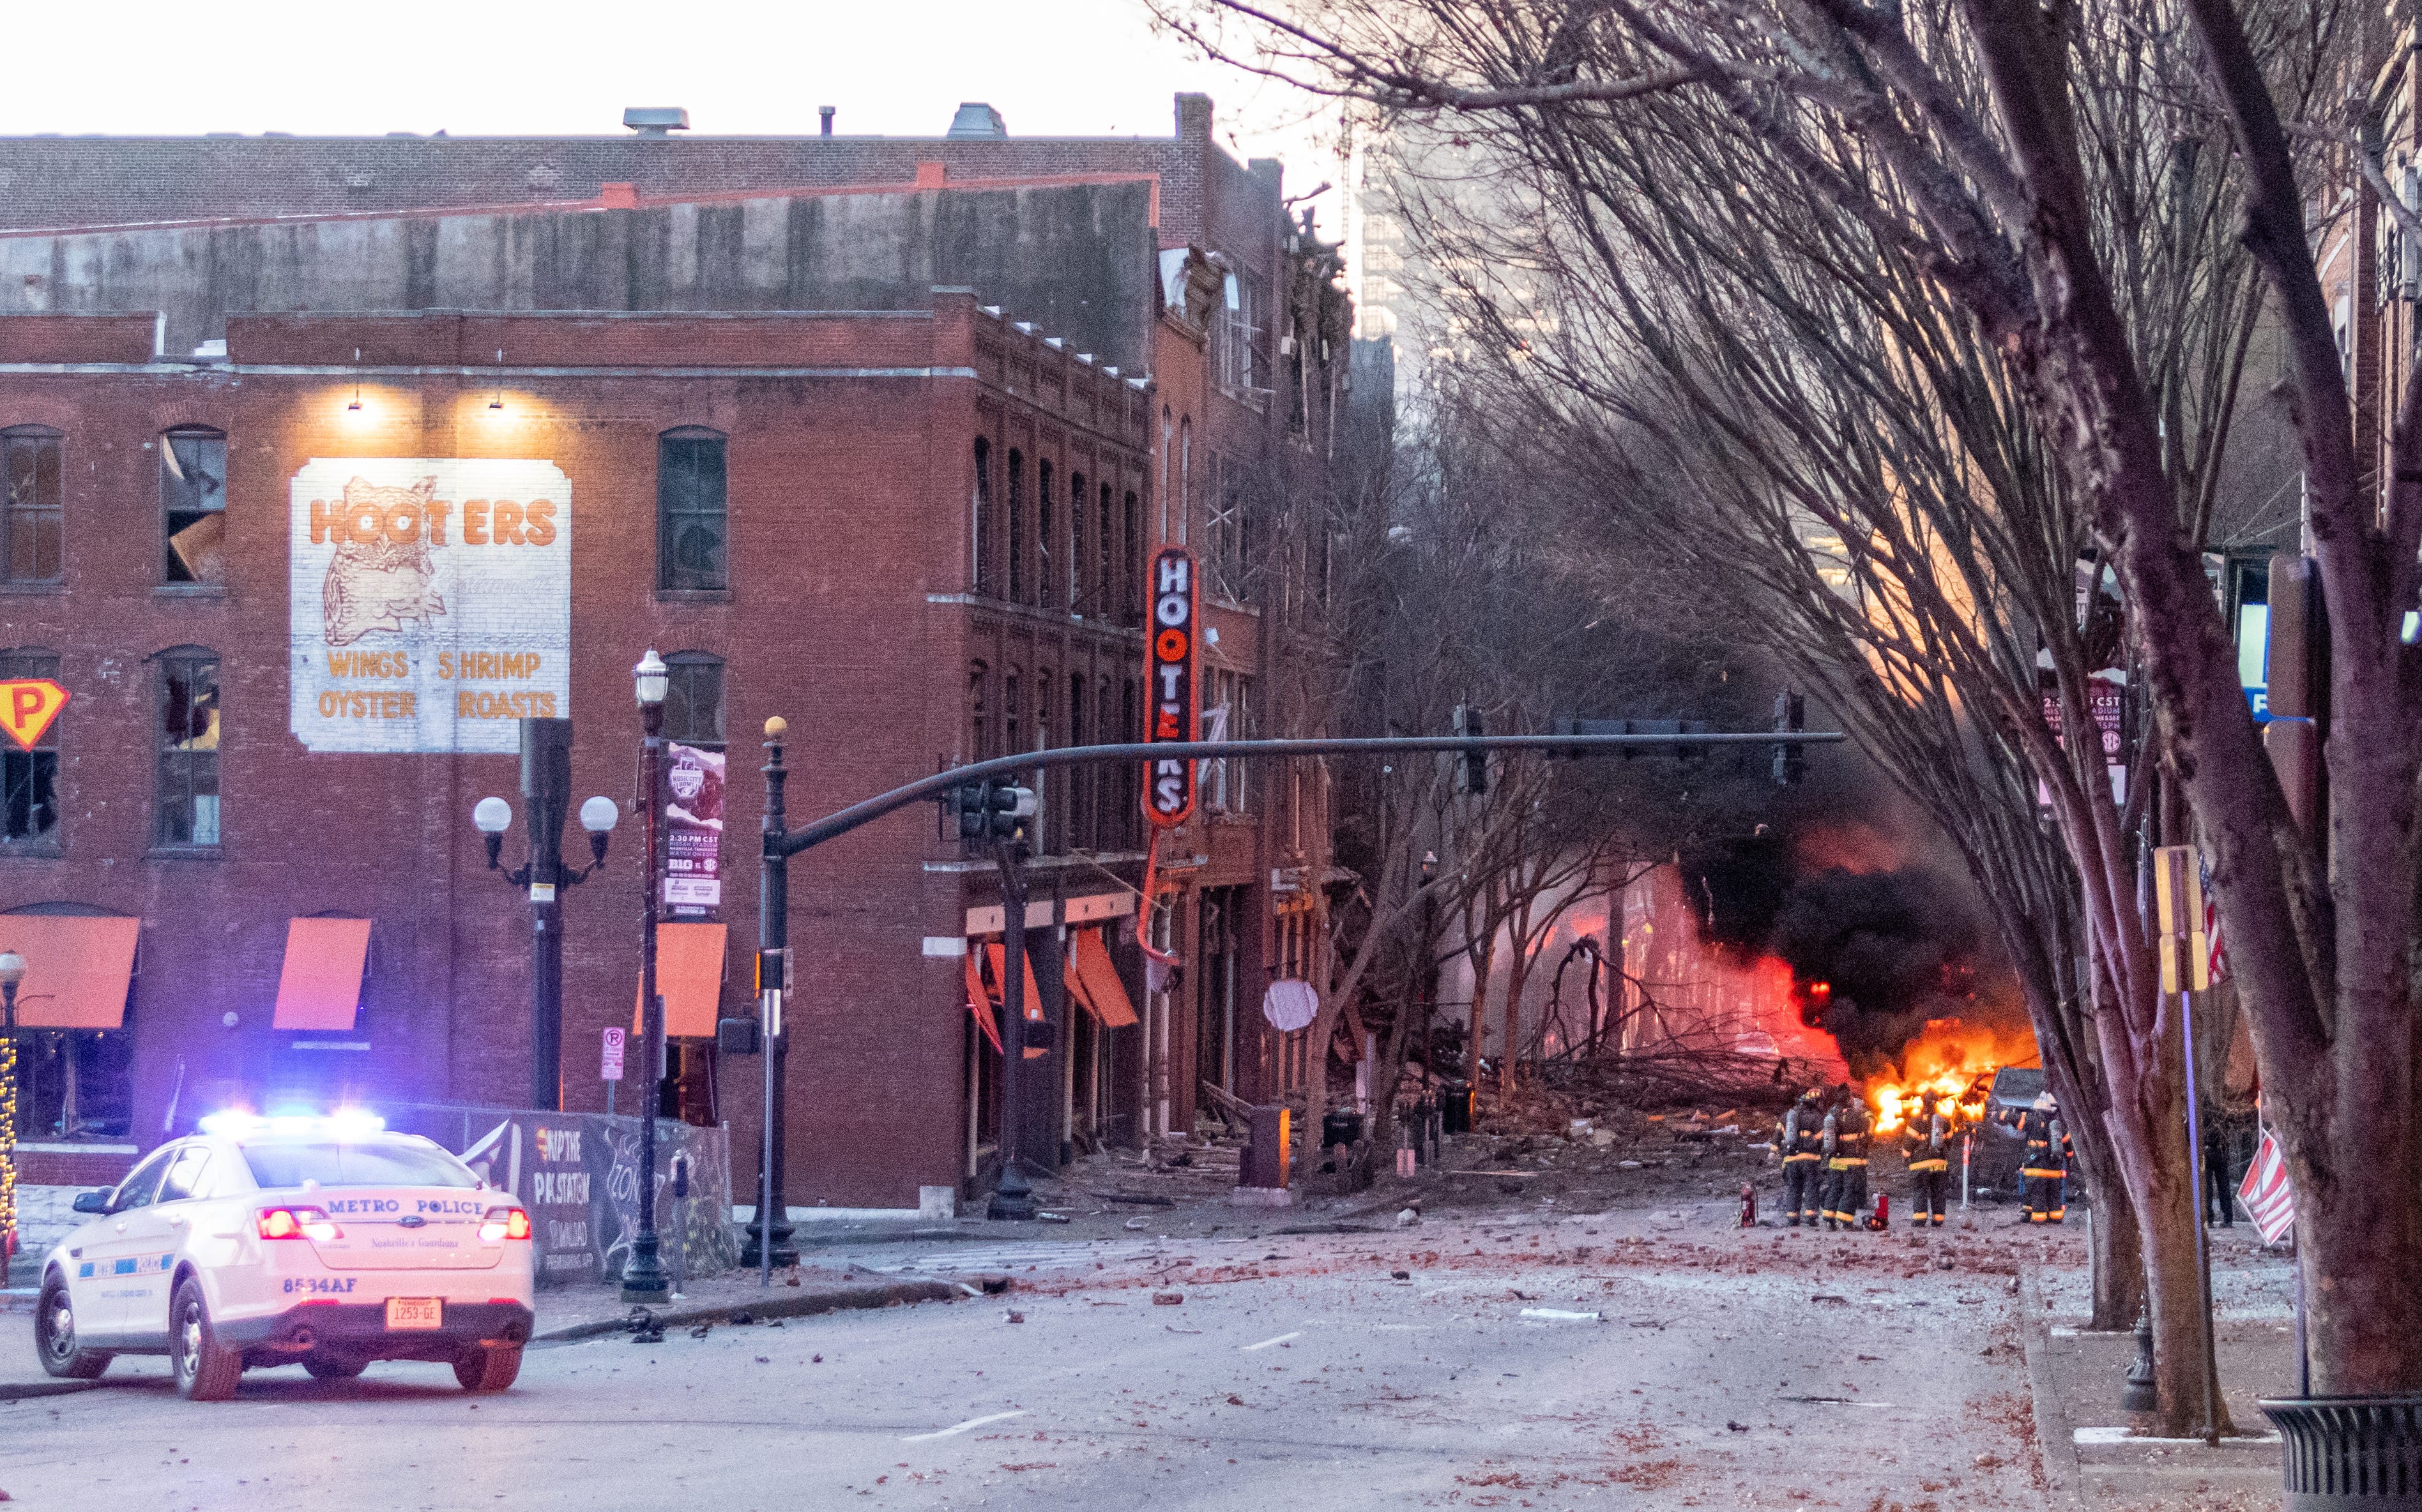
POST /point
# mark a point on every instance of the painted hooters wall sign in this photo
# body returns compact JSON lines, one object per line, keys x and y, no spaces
{"x":1173,"y":707}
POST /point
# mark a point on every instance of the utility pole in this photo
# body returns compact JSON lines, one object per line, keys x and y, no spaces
{"x":1012,"y":1198}
{"x":773,"y":986}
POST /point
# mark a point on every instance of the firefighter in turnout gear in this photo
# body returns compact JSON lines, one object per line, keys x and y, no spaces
{"x":1846,"y":1161}
{"x":2045,"y":1165}
{"x":1928,"y":1137}
{"x":1802,"y":1145}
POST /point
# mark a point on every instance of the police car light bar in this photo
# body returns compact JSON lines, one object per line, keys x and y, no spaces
{"x":345,"y":1123}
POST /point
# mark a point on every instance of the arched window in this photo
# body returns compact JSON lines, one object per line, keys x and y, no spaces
{"x":693,"y":697}
{"x":1168,"y":446}
{"x":193,"y":504}
{"x":1185,"y":478}
{"x":32,"y":508}
{"x":29,"y":780}
{"x":185,"y":793}
{"x":1016,"y":526}
{"x":1130,"y":557}
{"x":1080,"y":779}
{"x":1106,"y":603}
{"x":692,"y":518}
{"x":1045,"y":585}
{"x":984,"y":527}
{"x":979,"y":718}
{"x":1079,"y":569}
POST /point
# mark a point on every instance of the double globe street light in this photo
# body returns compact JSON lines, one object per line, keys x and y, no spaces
{"x":546,"y":782}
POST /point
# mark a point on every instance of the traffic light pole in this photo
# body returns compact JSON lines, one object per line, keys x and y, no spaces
{"x":1012,"y":1197}
{"x":773,"y":918}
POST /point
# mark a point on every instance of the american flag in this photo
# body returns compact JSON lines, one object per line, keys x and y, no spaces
{"x":2267,"y":1193}
{"x":2215,"y":948}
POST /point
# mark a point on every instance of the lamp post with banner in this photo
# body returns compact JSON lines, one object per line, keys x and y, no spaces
{"x":644,"y":1280}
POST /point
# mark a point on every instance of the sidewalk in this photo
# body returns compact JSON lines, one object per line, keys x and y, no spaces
{"x":2093,"y":1453}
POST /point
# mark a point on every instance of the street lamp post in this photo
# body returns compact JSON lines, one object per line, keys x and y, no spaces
{"x":546,"y":782}
{"x":643,"y":1273}
{"x":12,"y":971}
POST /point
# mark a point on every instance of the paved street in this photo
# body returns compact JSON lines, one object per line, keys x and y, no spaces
{"x":1295,"y":1372}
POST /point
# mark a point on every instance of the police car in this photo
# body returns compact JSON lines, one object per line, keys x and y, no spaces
{"x":322,"y":1242}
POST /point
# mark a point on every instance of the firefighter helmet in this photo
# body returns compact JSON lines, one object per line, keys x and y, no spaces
{"x":2045,"y":1102}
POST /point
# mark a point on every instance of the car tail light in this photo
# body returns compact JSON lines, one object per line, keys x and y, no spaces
{"x":503,"y":1224}
{"x":295,"y":1222}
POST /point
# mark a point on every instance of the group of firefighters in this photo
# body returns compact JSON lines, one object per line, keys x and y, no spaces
{"x":1825,"y":1143}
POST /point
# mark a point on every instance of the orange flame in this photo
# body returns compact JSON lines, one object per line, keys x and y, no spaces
{"x":1955,"y":1060}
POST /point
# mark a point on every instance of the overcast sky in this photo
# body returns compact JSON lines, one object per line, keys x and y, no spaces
{"x":486,"y":67}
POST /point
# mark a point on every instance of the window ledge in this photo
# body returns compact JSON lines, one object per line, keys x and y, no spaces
{"x":184,"y":853}
{"x":693,"y":595}
{"x":189,"y":590}
{"x":33,"y":587}
{"x":38,"y":850}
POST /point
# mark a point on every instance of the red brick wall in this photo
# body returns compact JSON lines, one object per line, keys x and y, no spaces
{"x":847,"y":499}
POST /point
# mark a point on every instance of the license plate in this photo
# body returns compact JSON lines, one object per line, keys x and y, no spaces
{"x":415,"y":1312}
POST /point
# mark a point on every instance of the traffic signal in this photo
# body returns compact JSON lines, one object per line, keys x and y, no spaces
{"x":989,"y":810}
{"x":1469,"y":724}
{"x":1790,"y":718}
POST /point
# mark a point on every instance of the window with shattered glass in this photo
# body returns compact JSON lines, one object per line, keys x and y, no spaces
{"x":186,"y":805}
{"x":193,"y":505}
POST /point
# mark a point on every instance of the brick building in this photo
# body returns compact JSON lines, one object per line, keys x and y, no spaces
{"x":914,"y":527}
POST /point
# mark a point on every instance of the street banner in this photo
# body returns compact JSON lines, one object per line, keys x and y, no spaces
{"x":2267,"y":1192}
{"x":1174,"y":710}
{"x":694,"y":786}
{"x":610,"y":1059}
{"x":27,"y":706}
{"x":429,"y":602}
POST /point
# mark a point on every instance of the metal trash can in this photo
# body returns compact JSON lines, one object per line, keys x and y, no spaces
{"x":2351,"y":1454}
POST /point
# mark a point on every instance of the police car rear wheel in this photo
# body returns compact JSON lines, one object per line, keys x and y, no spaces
{"x":482,"y":1368}
{"x":207,"y":1370}
{"x":54,"y":1335}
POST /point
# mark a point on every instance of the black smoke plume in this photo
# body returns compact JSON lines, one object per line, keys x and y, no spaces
{"x":1874,"y":955}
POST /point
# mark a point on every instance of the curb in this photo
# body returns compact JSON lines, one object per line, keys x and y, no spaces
{"x":23,"y":1391}
{"x":2055,"y":1446}
{"x":801,"y":1303}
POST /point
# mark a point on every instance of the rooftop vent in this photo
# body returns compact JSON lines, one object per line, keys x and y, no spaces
{"x":656,"y":120}
{"x":976,"y":119}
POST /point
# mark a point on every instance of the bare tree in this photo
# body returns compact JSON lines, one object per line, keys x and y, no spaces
{"x":1969,"y":139}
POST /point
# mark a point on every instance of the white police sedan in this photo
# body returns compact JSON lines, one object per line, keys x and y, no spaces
{"x":322,"y":1242}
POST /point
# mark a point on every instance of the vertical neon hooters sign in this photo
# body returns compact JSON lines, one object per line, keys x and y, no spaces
{"x":1174,"y":710}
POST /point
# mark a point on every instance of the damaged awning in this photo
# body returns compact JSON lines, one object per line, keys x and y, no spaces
{"x":1097,"y":980}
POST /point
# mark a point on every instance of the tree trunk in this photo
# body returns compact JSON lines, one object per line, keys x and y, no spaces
{"x":2118,"y":1248}
{"x":1517,"y":973}
{"x":2150,"y":1131}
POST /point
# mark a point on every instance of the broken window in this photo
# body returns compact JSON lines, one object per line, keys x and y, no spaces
{"x":691,"y":515}
{"x":1238,"y":370}
{"x":30,"y":779}
{"x":1079,"y":779}
{"x":1131,"y":559}
{"x":1227,"y":528}
{"x":32,"y":529}
{"x":985,"y":527}
{"x":187,"y":799}
{"x":193,"y":504}
{"x":694,"y":697}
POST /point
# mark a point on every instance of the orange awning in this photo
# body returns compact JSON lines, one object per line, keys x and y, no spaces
{"x":76,"y":969}
{"x":998,"y":957}
{"x":321,"y":986}
{"x":1106,"y":994}
{"x":980,"y":1002}
{"x":689,"y":976}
